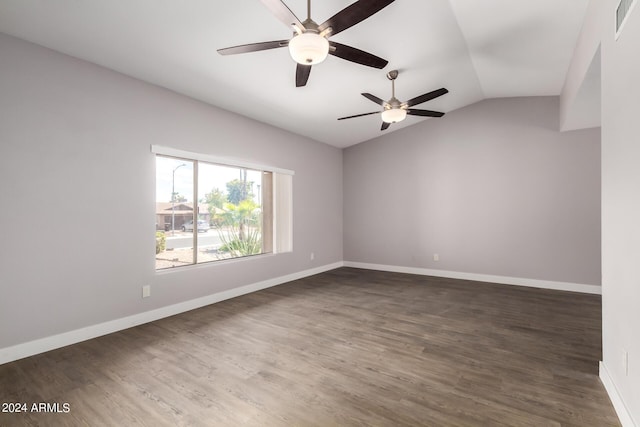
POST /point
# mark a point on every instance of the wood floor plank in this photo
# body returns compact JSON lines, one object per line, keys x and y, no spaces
{"x":346,"y":347}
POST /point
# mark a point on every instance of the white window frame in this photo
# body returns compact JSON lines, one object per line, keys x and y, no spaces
{"x":190,"y":155}
{"x":282,"y":198}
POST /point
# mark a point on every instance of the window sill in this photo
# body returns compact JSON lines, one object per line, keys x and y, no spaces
{"x":214,"y":263}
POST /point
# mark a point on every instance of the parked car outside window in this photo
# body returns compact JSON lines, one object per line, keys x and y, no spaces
{"x":203,"y":226}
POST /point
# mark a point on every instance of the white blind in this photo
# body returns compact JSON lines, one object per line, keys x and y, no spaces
{"x":283,"y":213}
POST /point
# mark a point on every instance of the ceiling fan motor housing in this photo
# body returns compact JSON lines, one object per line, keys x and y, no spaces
{"x":308,"y":47}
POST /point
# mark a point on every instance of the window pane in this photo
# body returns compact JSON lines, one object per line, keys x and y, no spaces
{"x":174,"y":212}
{"x":222,"y":211}
{"x":230,"y":201}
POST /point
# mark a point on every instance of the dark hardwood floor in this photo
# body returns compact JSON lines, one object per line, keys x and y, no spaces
{"x":346,"y":347}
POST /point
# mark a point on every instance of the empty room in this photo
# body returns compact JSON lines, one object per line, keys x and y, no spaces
{"x":306,"y":213}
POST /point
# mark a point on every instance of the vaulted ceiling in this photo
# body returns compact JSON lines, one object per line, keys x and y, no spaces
{"x":476,"y":49}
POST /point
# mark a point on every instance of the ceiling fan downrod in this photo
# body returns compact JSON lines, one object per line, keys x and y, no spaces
{"x":392,"y":75}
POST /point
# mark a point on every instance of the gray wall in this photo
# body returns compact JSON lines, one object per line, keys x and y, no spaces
{"x":77,"y":180}
{"x":493,"y":189}
{"x":621,"y":203}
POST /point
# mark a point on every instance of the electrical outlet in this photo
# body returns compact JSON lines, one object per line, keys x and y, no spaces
{"x":436,"y":257}
{"x":146,"y":291}
{"x":625,"y":362}
{"x":312,"y":256}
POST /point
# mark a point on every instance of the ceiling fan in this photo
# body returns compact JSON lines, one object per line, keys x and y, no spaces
{"x":309,"y":44}
{"x":396,"y":111}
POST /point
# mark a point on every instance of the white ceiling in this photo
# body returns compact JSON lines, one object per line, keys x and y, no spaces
{"x":476,"y":49}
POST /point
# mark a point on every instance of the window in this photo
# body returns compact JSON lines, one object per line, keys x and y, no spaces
{"x":210,"y":209}
{"x":622,"y":13}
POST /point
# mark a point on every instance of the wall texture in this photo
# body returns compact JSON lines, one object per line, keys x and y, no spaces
{"x":621,"y":203}
{"x":77,"y":180}
{"x":493,"y":188}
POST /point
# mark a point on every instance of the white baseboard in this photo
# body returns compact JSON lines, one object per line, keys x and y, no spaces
{"x":534,"y":283}
{"x":618,"y":404}
{"x":9,"y":354}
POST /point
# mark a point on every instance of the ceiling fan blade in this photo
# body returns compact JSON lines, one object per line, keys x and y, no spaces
{"x":356,"y":55}
{"x":360,"y":115}
{"x":385,"y":126}
{"x":302,"y":74}
{"x":374,"y":99}
{"x":253,"y":47}
{"x":283,"y":13}
{"x":424,"y":113}
{"x":426,"y":97}
{"x":353,"y":14}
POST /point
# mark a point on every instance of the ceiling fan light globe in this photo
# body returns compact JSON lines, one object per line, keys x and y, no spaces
{"x":309,"y":48}
{"x":394,"y":115}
